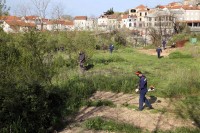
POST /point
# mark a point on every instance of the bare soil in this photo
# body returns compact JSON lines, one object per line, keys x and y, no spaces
{"x":164,"y":53}
{"x":161,"y":117}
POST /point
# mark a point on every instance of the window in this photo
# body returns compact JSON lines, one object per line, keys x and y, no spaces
{"x":130,"y":24}
{"x":140,"y":14}
{"x":140,"y":19}
{"x":145,"y":13}
{"x":133,"y":10}
{"x":149,"y":19}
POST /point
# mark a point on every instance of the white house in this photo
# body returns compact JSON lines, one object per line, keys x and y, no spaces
{"x":80,"y":22}
{"x":16,"y":26}
{"x":102,"y":22}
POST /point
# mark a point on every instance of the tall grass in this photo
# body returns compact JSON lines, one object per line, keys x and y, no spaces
{"x":183,"y":82}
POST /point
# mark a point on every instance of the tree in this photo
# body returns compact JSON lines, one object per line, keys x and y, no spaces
{"x":57,"y":14}
{"x":109,"y":12}
{"x":41,"y":6}
{"x":23,"y":10}
{"x":4,"y":10}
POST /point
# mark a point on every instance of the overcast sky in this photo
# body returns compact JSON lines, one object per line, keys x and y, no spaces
{"x":84,"y":7}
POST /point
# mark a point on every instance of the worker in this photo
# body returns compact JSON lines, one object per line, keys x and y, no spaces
{"x":143,"y":90}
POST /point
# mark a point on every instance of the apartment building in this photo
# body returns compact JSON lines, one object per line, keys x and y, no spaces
{"x":162,"y":20}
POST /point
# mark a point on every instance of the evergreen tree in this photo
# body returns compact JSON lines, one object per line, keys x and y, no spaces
{"x":109,"y":12}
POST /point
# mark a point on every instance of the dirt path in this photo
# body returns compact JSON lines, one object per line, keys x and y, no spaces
{"x":159,"y":118}
{"x":164,"y":53}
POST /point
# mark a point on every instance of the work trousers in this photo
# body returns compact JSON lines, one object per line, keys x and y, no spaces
{"x":143,"y":99}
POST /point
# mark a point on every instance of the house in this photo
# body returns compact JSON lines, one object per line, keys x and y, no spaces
{"x":59,"y":25}
{"x":102,"y":22}
{"x":128,"y":21}
{"x":80,"y":22}
{"x":112,"y":22}
{"x":140,"y":12}
{"x":91,"y":24}
{"x":69,"y":25}
{"x":16,"y":26}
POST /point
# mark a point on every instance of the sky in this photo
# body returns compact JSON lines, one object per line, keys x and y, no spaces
{"x":83,"y":7}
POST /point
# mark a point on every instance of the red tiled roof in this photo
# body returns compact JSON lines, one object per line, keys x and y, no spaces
{"x":161,"y":7}
{"x":175,"y":7}
{"x":141,"y":7}
{"x":62,"y":22}
{"x":19,"y":23}
{"x":174,"y":4}
{"x":112,"y":16}
{"x":69,"y":23}
{"x":10,"y":18}
{"x":191,"y":8}
{"x":31,"y":17}
{"x":125,"y":17}
{"x":80,"y":18}
{"x":49,"y":22}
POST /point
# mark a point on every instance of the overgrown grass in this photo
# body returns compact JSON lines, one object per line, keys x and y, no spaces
{"x":189,"y":108}
{"x":178,"y":54}
{"x":98,"y":103}
{"x":99,"y":123}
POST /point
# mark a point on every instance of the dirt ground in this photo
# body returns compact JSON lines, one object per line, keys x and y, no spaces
{"x":164,"y":53}
{"x":161,"y":117}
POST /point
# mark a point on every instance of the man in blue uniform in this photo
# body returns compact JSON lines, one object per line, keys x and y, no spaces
{"x":111,"y":48}
{"x":159,"y":50}
{"x":164,"y":44}
{"x":143,"y":91}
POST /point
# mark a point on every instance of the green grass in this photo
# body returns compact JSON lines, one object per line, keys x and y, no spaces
{"x":98,"y":103}
{"x":99,"y":123}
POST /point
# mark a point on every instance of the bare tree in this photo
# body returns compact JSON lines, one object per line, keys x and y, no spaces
{"x":57,"y":14}
{"x":41,"y":6}
{"x":23,"y":10}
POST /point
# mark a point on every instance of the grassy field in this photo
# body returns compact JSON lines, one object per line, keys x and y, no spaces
{"x":175,"y":76}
